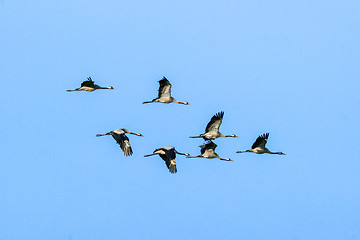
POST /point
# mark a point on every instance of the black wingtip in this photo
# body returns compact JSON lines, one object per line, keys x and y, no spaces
{"x":173,"y":169}
{"x":219,"y":114}
{"x":128,"y":152}
{"x":163,"y":79}
{"x":264,"y":136}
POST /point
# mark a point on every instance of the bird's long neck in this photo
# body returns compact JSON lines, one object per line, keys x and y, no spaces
{"x":148,"y":155}
{"x":154,"y":100}
{"x":190,"y":156}
{"x":137,"y":134}
{"x":244,"y":151}
{"x":99,"y":135}
{"x":222,"y":135}
{"x":186,"y":154}
{"x":196,"y":136}
{"x":185,"y":103}
{"x":280,"y":153}
{"x":232,"y":135}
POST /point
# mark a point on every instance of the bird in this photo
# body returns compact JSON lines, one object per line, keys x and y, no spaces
{"x":122,"y":139}
{"x":164,"y":95}
{"x":208,"y":151}
{"x":259,"y":146}
{"x":168,"y":154}
{"x":89,"y":86}
{"x":212,"y":129}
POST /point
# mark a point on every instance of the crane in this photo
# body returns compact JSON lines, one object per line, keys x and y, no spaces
{"x":212,"y":129}
{"x":164,"y":95}
{"x":89,"y":86}
{"x":259,"y":146}
{"x":168,"y":154}
{"x":122,"y":139}
{"x":208,"y":151}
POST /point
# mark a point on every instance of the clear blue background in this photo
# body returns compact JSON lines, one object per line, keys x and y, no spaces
{"x":290,"y":68}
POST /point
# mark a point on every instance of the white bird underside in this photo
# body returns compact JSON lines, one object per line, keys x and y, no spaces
{"x":87,"y":89}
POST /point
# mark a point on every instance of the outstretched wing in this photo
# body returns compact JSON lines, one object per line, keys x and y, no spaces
{"x":88,"y":83}
{"x":165,"y":88}
{"x":171,"y":165}
{"x":261,"y":141}
{"x":169,"y":157}
{"x":124,"y":143}
{"x":215,"y":122}
{"x":208,"y":147}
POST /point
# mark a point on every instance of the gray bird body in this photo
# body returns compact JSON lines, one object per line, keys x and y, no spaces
{"x":258,"y":146}
{"x":164,"y":94}
{"x":212,"y":128}
{"x":122,"y":139}
{"x":168,"y":154}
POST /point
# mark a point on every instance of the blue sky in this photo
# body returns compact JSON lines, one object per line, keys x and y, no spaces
{"x":290,"y":68}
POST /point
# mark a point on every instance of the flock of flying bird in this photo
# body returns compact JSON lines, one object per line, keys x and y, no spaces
{"x":168,"y":154}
